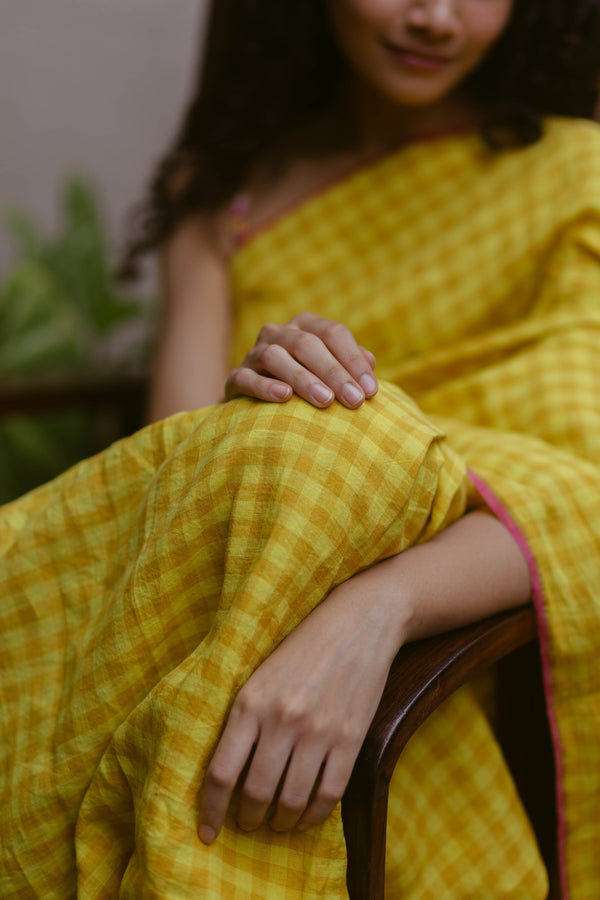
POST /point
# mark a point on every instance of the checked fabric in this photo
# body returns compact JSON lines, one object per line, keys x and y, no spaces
{"x":474,"y":278}
{"x":140,"y":589}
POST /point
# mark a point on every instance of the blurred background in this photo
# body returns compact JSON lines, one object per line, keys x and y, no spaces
{"x":90,"y":86}
{"x":91,"y":91}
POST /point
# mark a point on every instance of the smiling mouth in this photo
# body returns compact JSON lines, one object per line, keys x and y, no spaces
{"x":414,"y":59}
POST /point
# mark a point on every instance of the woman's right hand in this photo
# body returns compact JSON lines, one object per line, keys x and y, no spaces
{"x":316,"y":358}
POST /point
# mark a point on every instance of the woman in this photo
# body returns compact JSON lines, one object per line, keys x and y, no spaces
{"x":258,"y":565}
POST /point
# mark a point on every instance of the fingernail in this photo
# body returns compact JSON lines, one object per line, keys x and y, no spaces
{"x":280,"y":391}
{"x":303,"y":826}
{"x":352,"y":395}
{"x":206,"y":834}
{"x":321,"y":394}
{"x":368,"y":384}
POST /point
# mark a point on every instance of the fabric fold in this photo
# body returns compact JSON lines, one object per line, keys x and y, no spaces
{"x":143,"y":587}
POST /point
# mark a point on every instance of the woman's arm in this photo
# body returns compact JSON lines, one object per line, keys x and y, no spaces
{"x":473,"y":569}
{"x":303,"y":715}
{"x":192,"y":361}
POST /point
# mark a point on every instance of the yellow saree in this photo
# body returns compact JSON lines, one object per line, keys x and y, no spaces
{"x":140,"y":589}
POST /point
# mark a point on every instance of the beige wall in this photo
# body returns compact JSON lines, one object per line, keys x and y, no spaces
{"x":90,"y":85}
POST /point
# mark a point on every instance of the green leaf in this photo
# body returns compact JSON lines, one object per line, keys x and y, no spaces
{"x":38,"y":328}
{"x":33,"y":450}
{"x":60,"y":307}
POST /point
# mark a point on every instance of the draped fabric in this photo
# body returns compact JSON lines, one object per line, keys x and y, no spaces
{"x":474,"y":278}
{"x":140,"y":589}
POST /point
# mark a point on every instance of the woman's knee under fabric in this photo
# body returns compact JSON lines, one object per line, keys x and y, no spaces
{"x":229,"y":505}
{"x":176,"y":560}
{"x":302,"y":500}
{"x":357,"y":473}
{"x":230,"y":502}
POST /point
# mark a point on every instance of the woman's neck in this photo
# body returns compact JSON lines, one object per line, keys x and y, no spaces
{"x":374,"y":124}
{"x":356,"y":129}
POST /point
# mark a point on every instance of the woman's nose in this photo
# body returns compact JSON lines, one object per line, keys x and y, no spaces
{"x":439,"y":17}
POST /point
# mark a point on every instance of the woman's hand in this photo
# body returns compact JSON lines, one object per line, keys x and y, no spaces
{"x":316,"y":358}
{"x":300,"y":719}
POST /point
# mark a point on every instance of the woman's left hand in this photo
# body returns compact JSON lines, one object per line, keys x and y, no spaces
{"x":300,"y":719}
{"x":312,"y":357}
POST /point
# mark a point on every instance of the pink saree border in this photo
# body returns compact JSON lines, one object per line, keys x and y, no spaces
{"x":544,"y":635}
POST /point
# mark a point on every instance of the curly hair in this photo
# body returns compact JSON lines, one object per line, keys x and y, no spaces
{"x":271,"y":65}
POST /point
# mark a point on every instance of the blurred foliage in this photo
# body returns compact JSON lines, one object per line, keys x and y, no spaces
{"x":60,"y":311}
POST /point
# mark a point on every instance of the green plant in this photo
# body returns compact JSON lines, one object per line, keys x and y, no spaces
{"x":60,"y":311}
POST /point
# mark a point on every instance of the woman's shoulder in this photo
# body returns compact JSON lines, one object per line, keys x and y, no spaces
{"x":277,"y":189}
{"x":571,"y":136}
{"x":570,"y":145}
{"x":271,"y":190}
{"x":563,"y":166}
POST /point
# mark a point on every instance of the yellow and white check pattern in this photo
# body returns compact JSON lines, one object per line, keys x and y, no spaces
{"x":141,"y":588}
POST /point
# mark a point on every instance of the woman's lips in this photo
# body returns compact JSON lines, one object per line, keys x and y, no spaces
{"x":413,"y":59}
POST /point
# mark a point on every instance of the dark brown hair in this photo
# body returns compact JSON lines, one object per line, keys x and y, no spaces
{"x":272,"y":64}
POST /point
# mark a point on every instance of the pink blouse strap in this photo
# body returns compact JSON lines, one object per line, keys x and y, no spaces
{"x":238,"y":220}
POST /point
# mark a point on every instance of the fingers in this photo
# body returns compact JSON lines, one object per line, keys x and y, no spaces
{"x":370,"y":358}
{"x":277,"y":771}
{"x":303,"y":362}
{"x":245,"y":382}
{"x":330,"y":790}
{"x":232,"y":753}
{"x":261,"y":784}
{"x":316,"y":358}
{"x":306,"y":783}
{"x":340,"y":342}
{"x":329,"y":350}
{"x":301,"y":779}
{"x":311,"y":787}
{"x":294,"y":378}
{"x":319,"y":368}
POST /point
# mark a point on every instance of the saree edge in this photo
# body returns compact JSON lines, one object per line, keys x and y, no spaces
{"x":537,"y":592}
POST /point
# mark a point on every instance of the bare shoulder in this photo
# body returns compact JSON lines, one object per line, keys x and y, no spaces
{"x":307,"y":160}
{"x":194,"y":248}
{"x":191,"y":361}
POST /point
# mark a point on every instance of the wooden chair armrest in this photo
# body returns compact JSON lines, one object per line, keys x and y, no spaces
{"x":421,"y":677}
{"x":122,"y":390}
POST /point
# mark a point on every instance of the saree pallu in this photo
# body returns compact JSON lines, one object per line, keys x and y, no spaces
{"x":141,"y":589}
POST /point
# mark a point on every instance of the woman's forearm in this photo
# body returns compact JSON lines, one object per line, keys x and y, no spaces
{"x":471,"y":570}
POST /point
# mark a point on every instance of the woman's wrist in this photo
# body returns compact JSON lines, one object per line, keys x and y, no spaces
{"x":383,"y":605}
{"x":469,"y":571}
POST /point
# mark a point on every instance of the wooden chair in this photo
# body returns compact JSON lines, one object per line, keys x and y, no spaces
{"x":423,"y":674}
